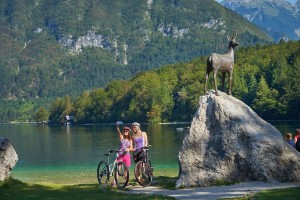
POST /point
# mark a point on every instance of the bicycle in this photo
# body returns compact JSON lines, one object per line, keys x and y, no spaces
{"x":143,"y":171}
{"x":119,"y":170}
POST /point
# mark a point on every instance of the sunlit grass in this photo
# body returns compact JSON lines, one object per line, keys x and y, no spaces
{"x":71,"y":177}
{"x":12,"y":189}
{"x":84,"y":185}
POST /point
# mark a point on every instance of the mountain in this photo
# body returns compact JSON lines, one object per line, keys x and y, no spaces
{"x":56,"y":47}
{"x":278,"y":18}
{"x":266,"y":77}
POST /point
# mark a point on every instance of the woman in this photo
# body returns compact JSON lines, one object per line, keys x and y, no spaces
{"x":140,"y":140}
{"x":125,"y":145}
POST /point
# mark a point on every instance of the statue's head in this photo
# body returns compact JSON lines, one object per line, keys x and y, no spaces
{"x":232,"y":40}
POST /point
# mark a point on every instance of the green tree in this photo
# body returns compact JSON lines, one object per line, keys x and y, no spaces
{"x":25,"y":111}
{"x":265,"y":102}
{"x":252,"y":86}
{"x":293,"y":87}
{"x":240,"y":85}
{"x":154,"y":115}
{"x":81,"y":108}
{"x":56,"y":110}
{"x":60,"y":108}
{"x":149,"y":94}
{"x":67,"y":105}
{"x":117,"y":91}
{"x":41,"y":115}
{"x":100,"y":106}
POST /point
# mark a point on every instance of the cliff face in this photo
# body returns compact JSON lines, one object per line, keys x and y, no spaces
{"x":228,"y":141}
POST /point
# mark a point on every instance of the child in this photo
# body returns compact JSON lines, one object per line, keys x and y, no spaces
{"x":289,"y":139}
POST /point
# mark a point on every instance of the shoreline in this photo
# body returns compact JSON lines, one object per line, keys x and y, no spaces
{"x":113,"y":123}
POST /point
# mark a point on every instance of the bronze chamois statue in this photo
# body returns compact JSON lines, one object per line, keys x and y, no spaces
{"x":222,"y":62}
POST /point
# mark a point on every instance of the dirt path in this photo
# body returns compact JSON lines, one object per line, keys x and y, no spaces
{"x":212,"y":193}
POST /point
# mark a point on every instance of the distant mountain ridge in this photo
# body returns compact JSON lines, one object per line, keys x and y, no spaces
{"x":278,"y":18}
{"x":56,"y":47}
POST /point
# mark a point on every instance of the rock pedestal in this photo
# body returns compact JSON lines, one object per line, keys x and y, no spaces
{"x":228,"y":141}
{"x":8,"y":158}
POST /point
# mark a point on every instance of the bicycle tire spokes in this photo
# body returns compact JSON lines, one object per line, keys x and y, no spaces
{"x":103,"y":173}
{"x":143,"y":173}
{"x":121,"y":175}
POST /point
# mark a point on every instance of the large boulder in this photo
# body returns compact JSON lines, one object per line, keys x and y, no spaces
{"x":229,"y":142}
{"x":8,"y":158}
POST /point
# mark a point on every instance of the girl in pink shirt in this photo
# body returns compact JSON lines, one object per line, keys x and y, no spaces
{"x":125,"y":145}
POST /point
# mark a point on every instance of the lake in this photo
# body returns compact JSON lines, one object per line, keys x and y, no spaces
{"x":70,"y":154}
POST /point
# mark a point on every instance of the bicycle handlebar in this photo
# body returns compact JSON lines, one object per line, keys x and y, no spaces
{"x":146,"y":147}
{"x":115,"y":150}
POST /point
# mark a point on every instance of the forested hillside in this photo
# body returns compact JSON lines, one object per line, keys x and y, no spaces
{"x":265,"y":77}
{"x":51,"y":48}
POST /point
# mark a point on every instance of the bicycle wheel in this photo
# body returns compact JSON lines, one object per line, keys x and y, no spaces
{"x":143,"y":173}
{"x":121,"y":175}
{"x":103,"y":173}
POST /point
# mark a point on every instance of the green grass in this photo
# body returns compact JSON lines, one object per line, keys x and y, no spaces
{"x":12,"y":189}
{"x":276,"y":194}
{"x":88,"y":188}
{"x":224,"y":182}
{"x":163,"y":178}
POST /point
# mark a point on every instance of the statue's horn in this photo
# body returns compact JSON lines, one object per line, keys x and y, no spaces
{"x":234,"y":34}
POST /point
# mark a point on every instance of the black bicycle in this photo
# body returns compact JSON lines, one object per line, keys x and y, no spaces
{"x":143,"y":170}
{"x":108,"y":168}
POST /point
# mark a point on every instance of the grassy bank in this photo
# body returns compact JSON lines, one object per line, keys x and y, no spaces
{"x":14,"y":190}
{"x":61,"y":188}
{"x":76,"y":176}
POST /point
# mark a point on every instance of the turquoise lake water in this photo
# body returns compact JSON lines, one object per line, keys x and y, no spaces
{"x":52,"y":153}
{"x":70,"y":154}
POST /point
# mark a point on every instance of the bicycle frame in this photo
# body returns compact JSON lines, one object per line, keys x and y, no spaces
{"x":111,"y":165}
{"x":146,"y":157}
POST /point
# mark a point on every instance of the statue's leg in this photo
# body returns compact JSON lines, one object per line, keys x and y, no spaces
{"x":229,"y":82}
{"x":206,"y":79}
{"x":223,"y":81}
{"x":205,"y":84}
{"x":215,"y":82}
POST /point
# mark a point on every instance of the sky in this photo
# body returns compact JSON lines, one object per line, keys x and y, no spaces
{"x":291,"y":1}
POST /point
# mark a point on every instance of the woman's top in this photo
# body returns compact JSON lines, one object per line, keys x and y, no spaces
{"x":124,"y":145}
{"x":139,"y":142}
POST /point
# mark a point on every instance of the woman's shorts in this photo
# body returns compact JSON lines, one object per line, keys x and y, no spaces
{"x":138,"y":155}
{"x":125,"y":158}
